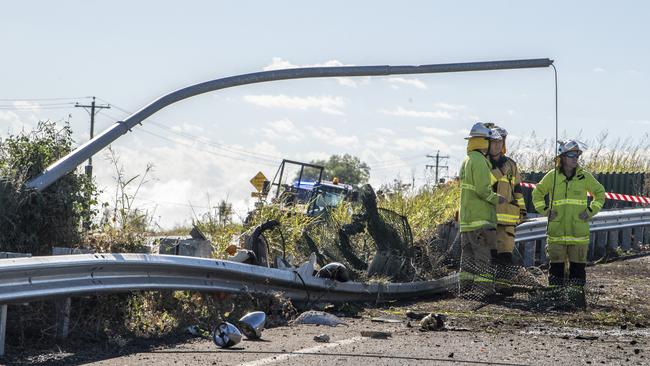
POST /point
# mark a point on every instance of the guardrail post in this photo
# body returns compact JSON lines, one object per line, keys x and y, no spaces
{"x":3,"y":307}
{"x":62,"y":307}
{"x":592,"y":246}
{"x":600,"y":249}
{"x":541,"y":250}
{"x":646,"y":234}
{"x":528,"y":253}
{"x":3,"y":328}
{"x":637,"y":237}
{"x":612,"y":240}
{"x":626,"y":238}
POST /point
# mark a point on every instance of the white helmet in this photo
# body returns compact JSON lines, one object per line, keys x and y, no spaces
{"x":570,"y":145}
{"x":480,"y":130}
{"x":502,"y":131}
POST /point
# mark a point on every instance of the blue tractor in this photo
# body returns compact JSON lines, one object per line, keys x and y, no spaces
{"x":310,"y":189}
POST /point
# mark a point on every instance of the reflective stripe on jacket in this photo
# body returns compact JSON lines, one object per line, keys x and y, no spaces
{"x":506,"y":183}
{"x":568,"y":200}
{"x":477,"y":200}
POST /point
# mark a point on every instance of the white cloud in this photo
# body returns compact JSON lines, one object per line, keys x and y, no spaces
{"x":278,"y":63}
{"x":639,"y":122}
{"x":282,"y":129}
{"x":402,"y":112}
{"x":11,"y":123}
{"x":511,"y":112}
{"x":326,"y":104}
{"x":417,"y":83}
{"x":434,"y":131}
{"x":411,"y":144}
{"x":378,"y":143}
{"x":185,"y":175}
{"x":598,"y":69}
{"x":385,"y":131}
{"x":451,"y":107}
{"x":330,"y":136}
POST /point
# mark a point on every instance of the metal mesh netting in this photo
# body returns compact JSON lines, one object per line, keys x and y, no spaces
{"x":399,"y":223}
{"x":570,"y":295}
{"x":488,"y":282}
{"x":376,"y":241}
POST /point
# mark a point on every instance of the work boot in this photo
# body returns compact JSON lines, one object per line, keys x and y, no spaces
{"x":578,"y":273}
{"x":505,"y":259}
{"x":556,"y":274}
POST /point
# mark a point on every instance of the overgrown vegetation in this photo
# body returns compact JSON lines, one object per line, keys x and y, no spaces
{"x":425,"y":208}
{"x":534,"y":154}
{"x":32,"y":222}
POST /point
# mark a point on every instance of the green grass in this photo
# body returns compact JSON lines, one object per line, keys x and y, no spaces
{"x":425,"y":208}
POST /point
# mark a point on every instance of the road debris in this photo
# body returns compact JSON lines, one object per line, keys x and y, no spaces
{"x":322,"y":338}
{"x":587,"y":337}
{"x":197,"y":331}
{"x":385,"y":320}
{"x":415,"y":315}
{"x":252,"y":324}
{"x":318,"y":318}
{"x":226,"y":335}
{"x":335,"y":271}
{"x":375,"y":334}
{"x":433,"y":322}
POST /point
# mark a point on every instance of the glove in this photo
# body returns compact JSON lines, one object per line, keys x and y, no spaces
{"x":501,"y":199}
{"x":552,"y":215}
{"x":584,"y":215}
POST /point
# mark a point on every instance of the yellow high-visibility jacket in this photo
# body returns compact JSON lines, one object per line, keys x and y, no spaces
{"x":568,"y":200}
{"x":506,"y":183}
{"x":477,"y":200}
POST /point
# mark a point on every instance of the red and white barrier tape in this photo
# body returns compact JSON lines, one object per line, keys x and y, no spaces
{"x":608,"y":195}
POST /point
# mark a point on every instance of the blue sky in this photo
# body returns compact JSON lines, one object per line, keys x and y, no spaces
{"x":128,"y":53}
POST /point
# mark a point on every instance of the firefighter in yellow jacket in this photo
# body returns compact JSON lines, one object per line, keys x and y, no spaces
{"x":477,"y":207}
{"x":505,"y":182}
{"x":562,"y":197}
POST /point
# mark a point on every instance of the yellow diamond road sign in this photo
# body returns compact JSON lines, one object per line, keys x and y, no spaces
{"x":258,"y":181}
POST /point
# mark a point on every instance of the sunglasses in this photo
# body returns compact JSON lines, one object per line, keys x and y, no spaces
{"x":572,"y":154}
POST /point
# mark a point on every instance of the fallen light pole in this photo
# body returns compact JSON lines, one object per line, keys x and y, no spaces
{"x":90,"y":148}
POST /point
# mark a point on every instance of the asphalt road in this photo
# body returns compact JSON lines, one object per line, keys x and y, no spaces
{"x":408,"y":345}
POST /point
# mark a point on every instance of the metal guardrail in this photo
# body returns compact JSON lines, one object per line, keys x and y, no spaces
{"x":610,"y":230}
{"x":604,"y":221}
{"x":29,"y":279}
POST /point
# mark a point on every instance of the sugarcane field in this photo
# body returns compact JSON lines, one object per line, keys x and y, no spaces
{"x":284,"y":183}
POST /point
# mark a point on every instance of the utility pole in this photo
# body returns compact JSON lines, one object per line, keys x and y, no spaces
{"x":93,"y":108}
{"x":437,"y":166}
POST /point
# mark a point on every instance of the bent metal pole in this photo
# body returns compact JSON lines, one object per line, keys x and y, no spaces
{"x":90,"y":148}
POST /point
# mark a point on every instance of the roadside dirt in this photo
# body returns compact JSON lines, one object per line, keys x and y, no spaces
{"x":615,"y":329}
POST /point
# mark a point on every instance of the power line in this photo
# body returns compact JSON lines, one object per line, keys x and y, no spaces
{"x":203,"y":150}
{"x":38,"y":99}
{"x":191,"y":146}
{"x":37,"y":107}
{"x":203,"y":138}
